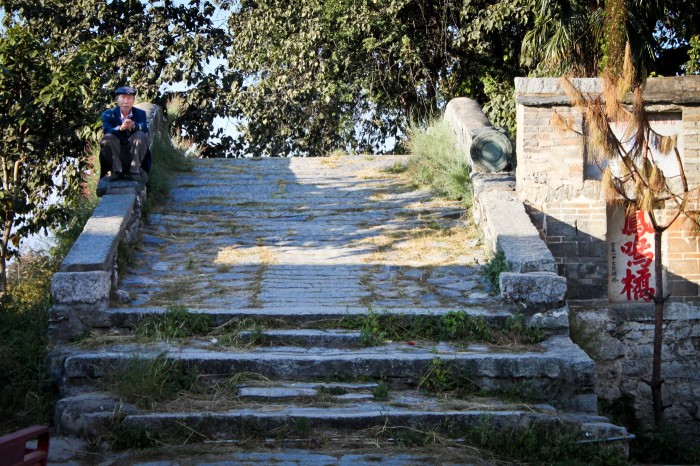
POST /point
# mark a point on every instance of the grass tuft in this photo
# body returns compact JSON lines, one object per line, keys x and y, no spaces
{"x":437,"y":163}
{"x":145,"y":381}
{"x":493,"y":268}
{"x":175,"y":322}
{"x":455,"y":326}
{"x":167,"y":160}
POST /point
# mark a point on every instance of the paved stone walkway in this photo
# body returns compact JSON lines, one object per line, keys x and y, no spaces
{"x":296,"y":243}
{"x":306,"y":232}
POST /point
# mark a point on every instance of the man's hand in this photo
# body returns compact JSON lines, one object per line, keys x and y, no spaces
{"x":127,"y":125}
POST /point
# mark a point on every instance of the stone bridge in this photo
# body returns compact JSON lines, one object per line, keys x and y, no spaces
{"x":313,"y":298}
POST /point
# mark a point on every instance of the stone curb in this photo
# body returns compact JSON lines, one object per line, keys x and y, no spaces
{"x":547,"y":91}
{"x":533,"y":288}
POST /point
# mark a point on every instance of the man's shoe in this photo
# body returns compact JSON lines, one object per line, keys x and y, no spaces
{"x":115,"y":176}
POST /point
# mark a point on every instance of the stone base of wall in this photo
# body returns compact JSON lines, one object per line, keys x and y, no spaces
{"x":620,"y":339}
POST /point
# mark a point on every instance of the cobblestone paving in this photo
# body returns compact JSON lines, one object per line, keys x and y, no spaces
{"x":280,"y":233}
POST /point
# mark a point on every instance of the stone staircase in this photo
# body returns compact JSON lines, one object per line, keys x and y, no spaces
{"x":298,"y":300}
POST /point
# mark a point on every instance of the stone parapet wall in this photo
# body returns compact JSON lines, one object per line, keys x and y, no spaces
{"x":89,"y":274}
{"x":682,"y":256}
{"x":531,"y":280}
{"x":574,"y":231}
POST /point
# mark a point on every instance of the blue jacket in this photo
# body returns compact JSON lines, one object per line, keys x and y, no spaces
{"x":112,"y":120}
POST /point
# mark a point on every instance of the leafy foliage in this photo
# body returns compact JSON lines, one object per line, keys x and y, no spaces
{"x":327,"y":74}
{"x":693,"y":64}
{"x":26,"y":390}
{"x":500,"y":106}
{"x":45,"y":102}
{"x":565,"y":38}
{"x":309,"y":77}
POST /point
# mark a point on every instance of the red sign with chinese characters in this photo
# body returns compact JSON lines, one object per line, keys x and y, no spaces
{"x":631,"y":258}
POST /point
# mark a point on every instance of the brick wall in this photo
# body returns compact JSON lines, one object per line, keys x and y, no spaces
{"x":562,"y":192}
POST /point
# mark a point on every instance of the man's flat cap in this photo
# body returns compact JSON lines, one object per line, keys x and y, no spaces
{"x":125,"y":90}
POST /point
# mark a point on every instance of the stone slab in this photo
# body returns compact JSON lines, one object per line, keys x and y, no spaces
{"x":401,"y":364}
{"x":80,"y":287}
{"x":277,"y":393}
{"x":107,"y":187}
{"x":97,"y":244}
{"x":533,"y":288}
{"x":74,"y":452}
{"x":305,"y":337}
{"x":294,"y":314}
{"x":354,"y":417}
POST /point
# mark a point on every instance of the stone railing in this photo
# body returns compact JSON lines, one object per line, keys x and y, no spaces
{"x":89,"y":274}
{"x":532,"y":280}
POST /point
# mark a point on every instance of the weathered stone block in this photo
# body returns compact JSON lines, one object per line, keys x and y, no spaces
{"x":80,"y":287}
{"x":107,"y":187}
{"x":553,"y":320}
{"x":533,"y":288}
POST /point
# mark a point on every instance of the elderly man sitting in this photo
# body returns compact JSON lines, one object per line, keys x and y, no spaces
{"x":124,"y":125}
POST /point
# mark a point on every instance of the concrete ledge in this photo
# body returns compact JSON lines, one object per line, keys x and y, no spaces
{"x":97,"y":244}
{"x":539,"y":288}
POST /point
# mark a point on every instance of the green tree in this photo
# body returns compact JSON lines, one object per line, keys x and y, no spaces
{"x":564,"y":38}
{"x":570,"y":36}
{"x":326,"y":74}
{"x":45,"y":110}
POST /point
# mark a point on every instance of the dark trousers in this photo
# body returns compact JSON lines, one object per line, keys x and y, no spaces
{"x":111,"y":153}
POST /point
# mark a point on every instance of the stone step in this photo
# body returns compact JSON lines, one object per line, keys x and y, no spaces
{"x":337,"y":392}
{"x":331,"y":338}
{"x":556,"y":369}
{"x":96,"y":415}
{"x":294,"y":316}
